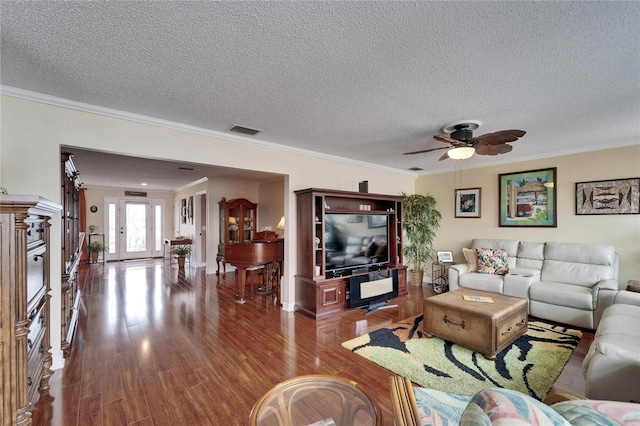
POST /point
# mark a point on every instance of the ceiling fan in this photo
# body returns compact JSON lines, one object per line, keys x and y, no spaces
{"x":464,"y":145}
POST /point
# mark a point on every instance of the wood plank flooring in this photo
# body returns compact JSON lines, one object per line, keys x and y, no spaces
{"x":159,"y":347}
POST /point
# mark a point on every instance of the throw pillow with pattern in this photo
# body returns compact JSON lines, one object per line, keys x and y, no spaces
{"x":492,"y":261}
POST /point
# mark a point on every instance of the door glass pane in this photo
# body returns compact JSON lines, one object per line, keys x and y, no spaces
{"x":158,"y":228}
{"x":112,"y":228}
{"x":136,"y":227}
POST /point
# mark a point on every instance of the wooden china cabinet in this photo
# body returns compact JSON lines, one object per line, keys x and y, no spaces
{"x":238,"y":221}
{"x":24,"y":303}
{"x":72,"y":240}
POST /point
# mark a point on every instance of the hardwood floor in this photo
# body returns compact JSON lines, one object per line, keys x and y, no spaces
{"x":159,"y":347}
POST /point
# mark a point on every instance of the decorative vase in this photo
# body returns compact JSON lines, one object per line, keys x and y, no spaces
{"x":416,"y":278}
{"x":181,"y":260}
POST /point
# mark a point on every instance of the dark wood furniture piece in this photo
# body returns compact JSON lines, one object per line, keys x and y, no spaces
{"x":316,"y":399}
{"x":24,"y":303}
{"x":484,"y":327}
{"x":245,"y":255}
{"x":72,"y":240}
{"x":319,"y":293}
{"x":440,"y":277}
{"x":238,"y":221}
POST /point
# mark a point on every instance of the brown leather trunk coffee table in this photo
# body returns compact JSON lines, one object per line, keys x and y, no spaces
{"x":484,"y":327}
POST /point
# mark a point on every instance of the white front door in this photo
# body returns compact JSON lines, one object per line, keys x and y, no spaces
{"x":133,"y":228}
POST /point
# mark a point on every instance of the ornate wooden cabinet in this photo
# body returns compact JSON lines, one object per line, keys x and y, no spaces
{"x":24,"y":305}
{"x":72,"y":240}
{"x":322,"y":291}
{"x":238,"y":222}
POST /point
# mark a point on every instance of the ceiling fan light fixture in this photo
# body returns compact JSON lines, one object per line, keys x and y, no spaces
{"x":461,"y":152}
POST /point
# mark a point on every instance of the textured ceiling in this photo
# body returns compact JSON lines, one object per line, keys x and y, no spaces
{"x":360,"y":80}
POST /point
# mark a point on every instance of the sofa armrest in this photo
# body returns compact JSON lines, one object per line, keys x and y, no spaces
{"x":627,"y":298}
{"x":603,"y":294}
{"x":454,"y":273}
{"x":611,"y":373}
{"x":403,"y":402}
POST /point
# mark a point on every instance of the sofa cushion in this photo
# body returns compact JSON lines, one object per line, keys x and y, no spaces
{"x":483,"y":282}
{"x":511,"y":246}
{"x":471,"y":257}
{"x":497,"y":406}
{"x":579,"y":264}
{"x":439,"y":408}
{"x":492,"y":261}
{"x":590,"y":412}
{"x":530,"y":255}
{"x":562,"y":294}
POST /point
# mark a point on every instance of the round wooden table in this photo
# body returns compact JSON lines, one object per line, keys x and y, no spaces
{"x":317,"y":400}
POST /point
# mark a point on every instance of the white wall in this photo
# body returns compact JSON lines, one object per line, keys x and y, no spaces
{"x":33,"y":132}
{"x":621,"y":231}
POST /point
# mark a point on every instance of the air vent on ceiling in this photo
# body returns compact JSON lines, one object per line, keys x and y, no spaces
{"x":416,"y":169}
{"x":185,"y":168}
{"x":245,"y":130}
{"x":135,"y":194}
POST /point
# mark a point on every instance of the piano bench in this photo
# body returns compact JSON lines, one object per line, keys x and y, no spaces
{"x":253,"y":273}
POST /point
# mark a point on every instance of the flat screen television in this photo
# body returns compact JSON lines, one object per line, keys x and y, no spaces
{"x":356,"y":241}
{"x":372,"y":290}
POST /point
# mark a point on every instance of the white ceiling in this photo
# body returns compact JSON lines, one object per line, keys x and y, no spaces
{"x":359,"y":80}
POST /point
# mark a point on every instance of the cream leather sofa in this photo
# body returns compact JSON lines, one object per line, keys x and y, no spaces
{"x":612,"y":365}
{"x":563,"y":282}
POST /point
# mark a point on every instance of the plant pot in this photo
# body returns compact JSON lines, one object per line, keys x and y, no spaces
{"x":181,"y":260}
{"x":416,"y":278}
{"x":94,"y":256}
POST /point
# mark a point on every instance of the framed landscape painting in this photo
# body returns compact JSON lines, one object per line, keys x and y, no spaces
{"x":528,"y":199}
{"x":468,"y":202}
{"x":620,"y":196}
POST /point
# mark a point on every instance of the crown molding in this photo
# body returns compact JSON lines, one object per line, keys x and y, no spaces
{"x":143,"y":119}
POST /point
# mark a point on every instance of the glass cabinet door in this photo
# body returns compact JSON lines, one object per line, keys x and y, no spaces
{"x":237,"y":221}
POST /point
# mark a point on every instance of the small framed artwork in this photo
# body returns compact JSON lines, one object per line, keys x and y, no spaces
{"x":619,"y":196}
{"x":468,"y":202}
{"x":528,"y":199}
{"x":444,"y":256}
{"x":183,"y":210}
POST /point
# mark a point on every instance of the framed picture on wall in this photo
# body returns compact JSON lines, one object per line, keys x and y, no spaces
{"x":468,"y":202}
{"x":528,"y":199}
{"x":183,"y":210}
{"x":618,"y":196}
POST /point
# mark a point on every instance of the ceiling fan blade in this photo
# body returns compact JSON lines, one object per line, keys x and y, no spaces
{"x":486,"y":149}
{"x":446,"y":139}
{"x":426,"y":150}
{"x":445,"y":156}
{"x":498,"y":138}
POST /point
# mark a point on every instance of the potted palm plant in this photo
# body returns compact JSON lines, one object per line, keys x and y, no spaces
{"x":95,"y":248}
{"x":420,"y":220}
{"x":181,"y":252}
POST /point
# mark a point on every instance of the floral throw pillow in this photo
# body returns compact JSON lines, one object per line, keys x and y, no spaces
{"x":492,"y":261}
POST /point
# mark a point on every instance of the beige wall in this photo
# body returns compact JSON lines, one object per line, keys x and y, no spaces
{"x":31,"y":134}
{"x":621,"y":231}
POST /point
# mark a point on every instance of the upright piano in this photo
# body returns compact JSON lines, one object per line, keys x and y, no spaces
{"x":245,"y":255}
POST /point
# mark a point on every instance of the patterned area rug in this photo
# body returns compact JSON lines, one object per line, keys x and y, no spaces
{"x":530,"y":365}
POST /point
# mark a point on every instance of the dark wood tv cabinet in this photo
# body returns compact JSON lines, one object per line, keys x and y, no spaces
{"x":319,"y":293}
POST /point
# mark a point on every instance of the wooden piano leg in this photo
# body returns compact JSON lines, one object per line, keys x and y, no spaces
{"x":241,"y":279}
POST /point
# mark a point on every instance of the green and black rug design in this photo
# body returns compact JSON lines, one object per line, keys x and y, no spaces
{"x":530,"y":365}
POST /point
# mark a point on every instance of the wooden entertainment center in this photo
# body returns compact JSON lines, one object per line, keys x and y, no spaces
{"x":321,"y":293}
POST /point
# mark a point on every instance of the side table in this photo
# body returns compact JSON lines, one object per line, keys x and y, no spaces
{"x":439,"y":278}
{"x":316,"y":399}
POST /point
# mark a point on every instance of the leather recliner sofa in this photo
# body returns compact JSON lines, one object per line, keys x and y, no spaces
{"x":612,"y":366}
{"x":568,"y":283}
